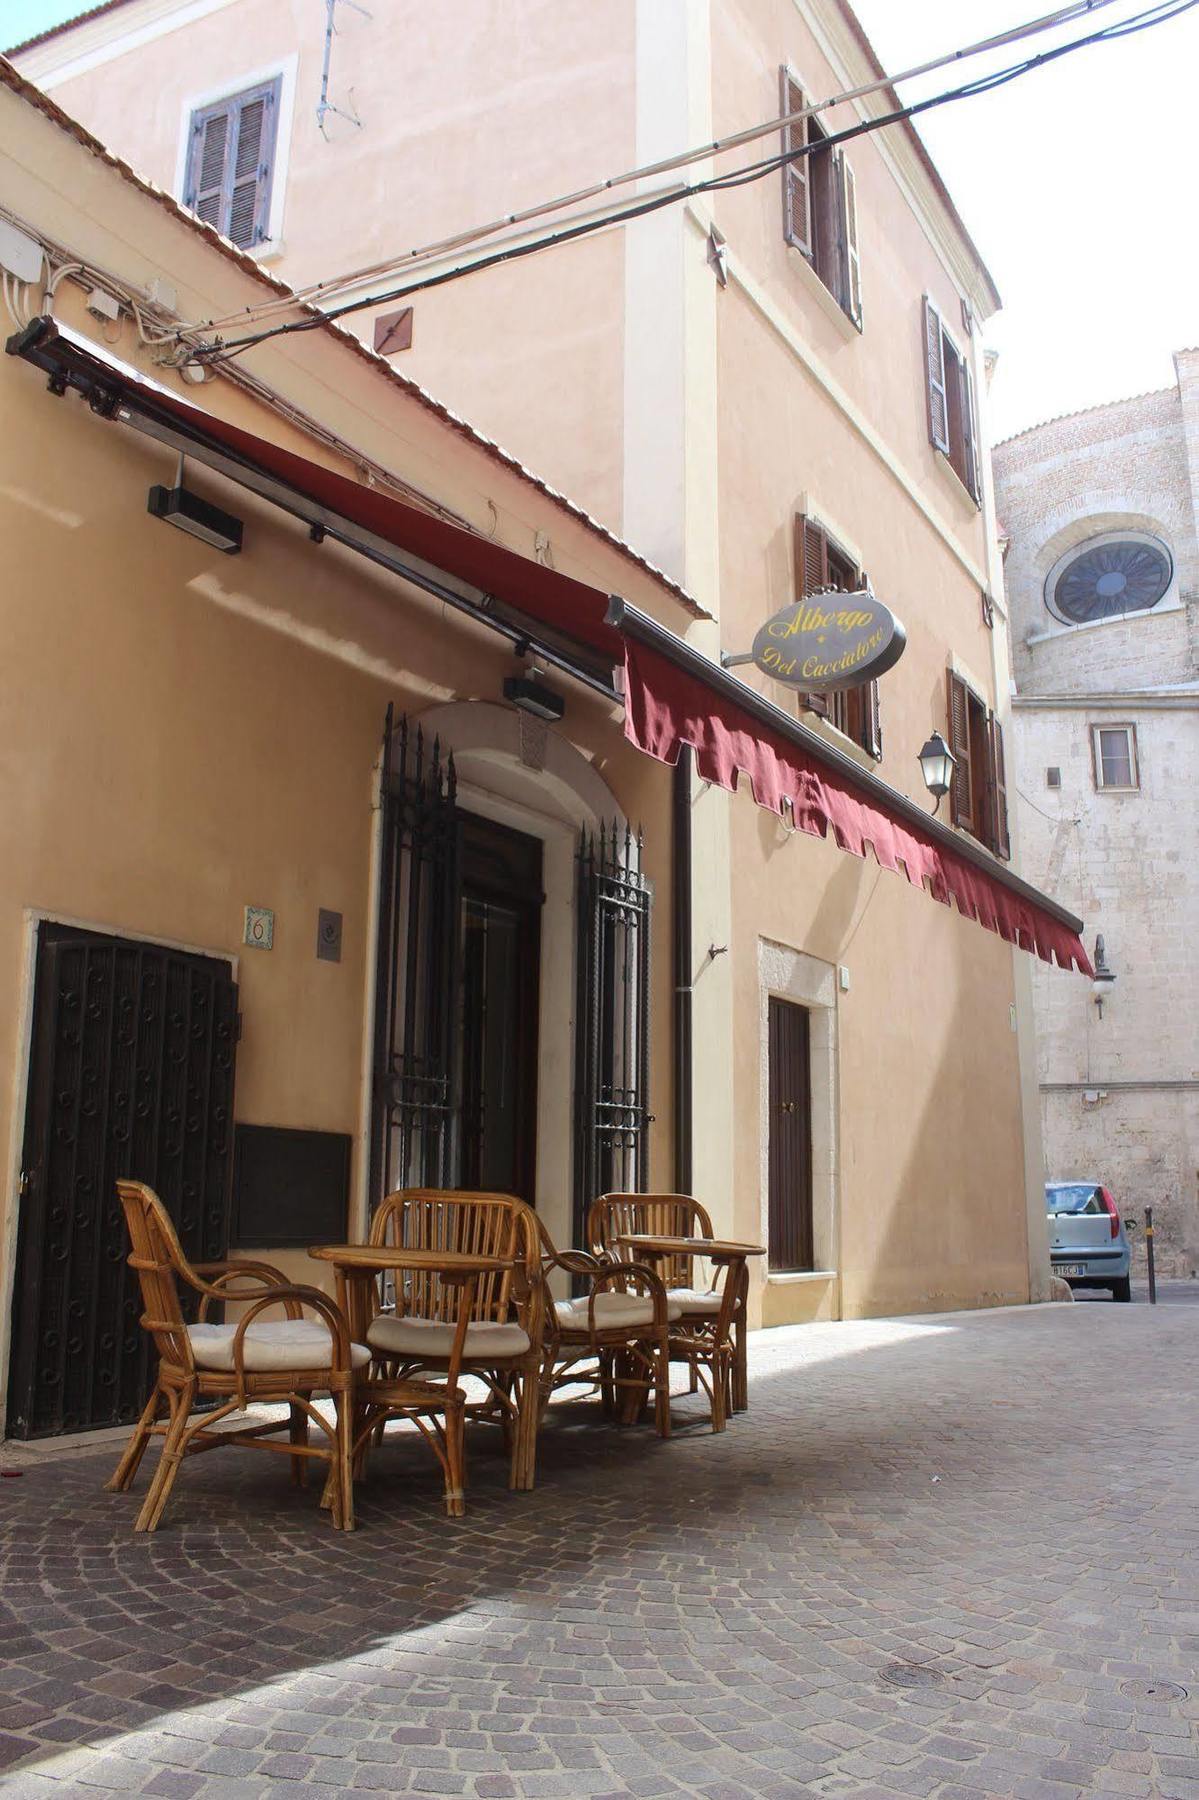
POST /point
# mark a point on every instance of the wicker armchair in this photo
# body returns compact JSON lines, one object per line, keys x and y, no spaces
{"x":233,"y":1364}
{"x":620,"y":1325}
{"x":502,"y":1345}
{"x":696,"y":1309}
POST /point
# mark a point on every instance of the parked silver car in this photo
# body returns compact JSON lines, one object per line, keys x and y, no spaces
{"x":1088,"y":1244}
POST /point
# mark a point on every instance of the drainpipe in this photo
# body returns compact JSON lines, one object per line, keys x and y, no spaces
{"x":681,"y":895}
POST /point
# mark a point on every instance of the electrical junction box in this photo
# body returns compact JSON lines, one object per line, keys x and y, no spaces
{"x":20,"y":255}
{"x":103,"y":305}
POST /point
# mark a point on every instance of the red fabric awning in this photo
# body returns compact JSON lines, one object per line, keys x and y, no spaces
{"x":673,"y":696}
{"x":667,"y":707}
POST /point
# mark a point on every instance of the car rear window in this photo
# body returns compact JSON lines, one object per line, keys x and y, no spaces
{"x":1078,"y":1197}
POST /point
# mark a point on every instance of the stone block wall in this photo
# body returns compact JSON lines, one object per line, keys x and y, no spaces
{"x":1145,"y":1147}
{"x":1120,"y":1091}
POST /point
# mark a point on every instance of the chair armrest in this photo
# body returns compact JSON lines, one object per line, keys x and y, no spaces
{"x":235,"y":1269}
{"x":329,"y":1311}
{"x":238,"y":1265}
{"x":643,"y":1280}
{"x":575,"y":1262}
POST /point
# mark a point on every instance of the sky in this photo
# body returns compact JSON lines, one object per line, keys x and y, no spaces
{"x":1076,"y":182}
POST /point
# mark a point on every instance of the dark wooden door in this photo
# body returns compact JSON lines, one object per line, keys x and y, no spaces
{"x":790,"y":1165}
{"x":500,"y":963}
{"x":131,"y":1074}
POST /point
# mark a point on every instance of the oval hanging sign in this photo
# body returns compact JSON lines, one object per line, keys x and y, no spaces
{"x":828,"y":641}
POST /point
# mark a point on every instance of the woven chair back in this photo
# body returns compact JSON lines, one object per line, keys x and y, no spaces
{"x":613,"y":1216}
{"x":161,"y":1264}
{"x":475,"y":1224}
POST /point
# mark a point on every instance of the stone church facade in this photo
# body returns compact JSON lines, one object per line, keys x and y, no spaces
{"x":1100,"y":514}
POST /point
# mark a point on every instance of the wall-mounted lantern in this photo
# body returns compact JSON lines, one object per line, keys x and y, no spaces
{"x":937,"y":764}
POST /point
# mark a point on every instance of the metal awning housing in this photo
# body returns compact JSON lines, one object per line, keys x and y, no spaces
{"x":673,"y":695}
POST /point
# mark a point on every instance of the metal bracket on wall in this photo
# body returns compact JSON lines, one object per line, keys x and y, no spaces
{"x":325,"y":106}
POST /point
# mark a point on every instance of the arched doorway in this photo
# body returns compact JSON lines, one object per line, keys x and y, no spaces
{"x":476,"y":994}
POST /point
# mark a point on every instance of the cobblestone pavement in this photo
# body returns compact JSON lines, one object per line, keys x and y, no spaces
{"x":947,"y":1556}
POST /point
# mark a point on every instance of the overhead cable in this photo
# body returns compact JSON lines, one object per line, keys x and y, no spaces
{"x":318,"y":290}
{"x":1157,"y":14}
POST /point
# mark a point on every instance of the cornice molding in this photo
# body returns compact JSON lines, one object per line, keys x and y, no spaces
{"x":76,"y":50}
{"x":1171,"y":700}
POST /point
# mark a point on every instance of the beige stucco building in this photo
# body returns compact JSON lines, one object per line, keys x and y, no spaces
{"x":836,"y":1062}
{"x":1100,"y":514}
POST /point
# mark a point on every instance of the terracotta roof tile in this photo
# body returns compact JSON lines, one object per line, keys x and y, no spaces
{"x":93,"y":12}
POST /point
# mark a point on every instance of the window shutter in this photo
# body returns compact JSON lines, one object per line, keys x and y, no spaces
{"x":872,"y":740}
{"x":961,"y":802}
{"x":852,"y":300}
{"x":1000,"y":839}
{"x":934,"y":369}
{"x":206,"y":168}
{"x":811,"y":556}
{"x":970,"y":433}
{"x":249,"y":188}
{"x":797,"y":193}
{"x":811,"y":573}
{"x":231,"y":164}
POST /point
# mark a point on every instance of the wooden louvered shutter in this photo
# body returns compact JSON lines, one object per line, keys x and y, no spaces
{"x":998,"y":834}
{"x":811,"y":574}
{"x":872,"y":739}
{"x":970,"y":433}
{"x":961,"y":794}
{"x":250,"y":177}
{"x":797,"y":192}
{"x":811,"y":556}
{"x":934,"y":369}
{"x":852,"y":295}
{"x":206,"y":167}
{"x":231,"y":165}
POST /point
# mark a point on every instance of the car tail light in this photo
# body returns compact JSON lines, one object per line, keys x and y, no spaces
{"x":1109,"y":1206}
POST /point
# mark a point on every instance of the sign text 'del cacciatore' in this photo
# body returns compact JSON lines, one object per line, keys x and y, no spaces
{"x":830,"y":640}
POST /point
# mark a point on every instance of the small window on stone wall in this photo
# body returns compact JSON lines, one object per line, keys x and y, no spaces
{"x":1114,"y":755}
{"x":1053,"y":778}
{"x":1107,"y":576}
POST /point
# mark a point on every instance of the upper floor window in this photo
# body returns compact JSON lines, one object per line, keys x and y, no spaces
{"x":1114,"y":755}
{"x":820,"y":563}
{"x":952,"y":420}
{"x":978,"y":796}
{"x":231,"y":161}
{"x":1117,"y":572}
{"x":820,"y":205}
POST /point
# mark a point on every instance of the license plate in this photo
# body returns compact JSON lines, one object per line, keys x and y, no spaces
{"x":1069,"y":1269}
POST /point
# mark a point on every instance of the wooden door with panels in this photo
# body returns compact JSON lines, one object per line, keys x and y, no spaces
{"x":789,"y":1206}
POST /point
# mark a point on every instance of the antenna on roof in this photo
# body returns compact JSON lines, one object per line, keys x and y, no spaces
{"x":325,"y":105}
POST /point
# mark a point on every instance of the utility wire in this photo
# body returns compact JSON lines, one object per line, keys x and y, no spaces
{"x":462,"y":240}
{"x":1157,"y":14}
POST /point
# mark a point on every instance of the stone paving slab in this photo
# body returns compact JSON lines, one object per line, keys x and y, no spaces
{"x":951,"y":1557}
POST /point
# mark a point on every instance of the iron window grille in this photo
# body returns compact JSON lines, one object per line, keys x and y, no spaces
{"x":611,"y":1018}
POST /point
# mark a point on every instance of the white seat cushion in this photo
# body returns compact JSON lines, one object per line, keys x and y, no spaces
{"x":429,"y":1337}
{"x":695,"y":1300}
{"x":270,"y":1344}
{"x":612,"y":1310}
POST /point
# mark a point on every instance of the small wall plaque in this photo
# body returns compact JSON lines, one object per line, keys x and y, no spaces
{"x":328,"y":935}
{"x":260,"y":928}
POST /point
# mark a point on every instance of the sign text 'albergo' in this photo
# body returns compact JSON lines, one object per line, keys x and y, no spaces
{"x":828,"y":641}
